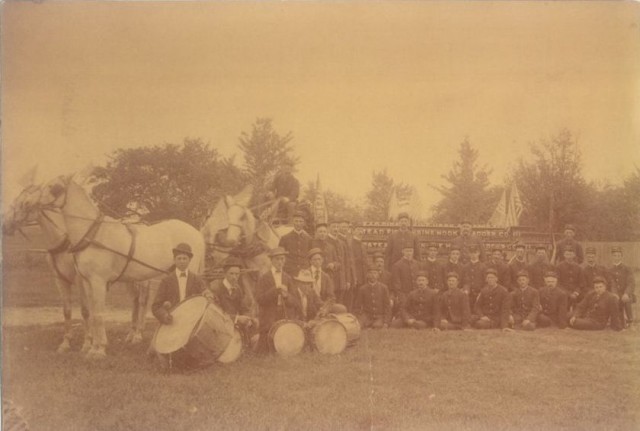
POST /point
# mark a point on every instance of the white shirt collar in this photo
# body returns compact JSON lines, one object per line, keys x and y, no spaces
{"x":178,"y":272}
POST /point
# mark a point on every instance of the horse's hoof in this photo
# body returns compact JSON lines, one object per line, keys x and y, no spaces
{"x":64,"y":347}
{"x":96,"y":354}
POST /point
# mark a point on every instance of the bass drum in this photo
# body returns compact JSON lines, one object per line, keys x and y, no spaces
{"x":287,"y":337}
{"x":328,"y":336}
{"x":200,"y":330}
{"x":351,"y":324}
{"x":233,"y":350}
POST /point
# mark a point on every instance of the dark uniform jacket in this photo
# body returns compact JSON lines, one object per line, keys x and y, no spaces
{"x":494,"y":303}
{"x":525,"y":303}
{"x":421,"y":304}
{"x":514,"y":268}
{"x":622,"y":280}
{"x":554,"y":303}
{"x":349,"y":261}
{"x":458,"y":268}
{"x":339,"y":274}
{"x":474,"y":274}
{"x":570,"y":277}
{"x":327,"y":291}
{"x":454,"y":306}
{"x":330,"y":255}
{"x":403,"y":273}
{"x":297,"y":245}
{"x":267,"y":296}
{"x":464,"y":242}
{"x":385,"y":278}
{"x":537,"y":270}
{"x":601,"y":309}
{"x":396,"y":241}
{"x":503,"y":270}
{"x":231,"y":303}
{"x":287,"y":186}
{"x":169,"y":291}
{"x":590,"y":272}
{"x":373,"y":302}
{"x":435,"y":273}
{"x":359,"y":260}
{"x":562,"y":244}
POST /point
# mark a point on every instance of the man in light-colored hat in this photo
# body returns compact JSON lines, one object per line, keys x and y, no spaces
{"x":623,"y":285}
{"x":597,"y":308}
{"x":178,"y":285}
{"x":554,"y":303}
{"x":525,"y":303}
{"x":400,"y":239}
{"x":309,"y":300}
{"x":277,"y":296}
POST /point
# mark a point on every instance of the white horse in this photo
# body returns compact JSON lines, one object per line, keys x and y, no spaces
{"x":106,"y":250}
{"x":59,"y":259}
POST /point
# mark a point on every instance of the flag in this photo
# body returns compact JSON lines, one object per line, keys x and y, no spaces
{"x":319,"y":205}
{"x":515,"y":207}
{"x":499,"y":217}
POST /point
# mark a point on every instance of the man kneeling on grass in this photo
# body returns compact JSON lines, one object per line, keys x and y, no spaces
{"x":597,"y":308}
{"x":554,"y":302}
{"x":420,"y":308}
{"x":372,"y":304}
{"x":525,"y":303}
{"x":454,"y":305}
{"x":493,"y":305}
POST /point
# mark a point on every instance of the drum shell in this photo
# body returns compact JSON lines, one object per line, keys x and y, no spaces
{"x":290,"y":331}
{"x":212,"y":335}
{"x":327,"y":336}
{"x":351,"y":324}
{"x":233,"y":350}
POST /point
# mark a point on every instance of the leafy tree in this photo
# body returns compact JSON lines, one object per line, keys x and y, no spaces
{"x":468,"y":194}
{"x":165,"y":181}
{"x":264,"y":152}
{"x":552,"y":187}
{"x":378,"y":198}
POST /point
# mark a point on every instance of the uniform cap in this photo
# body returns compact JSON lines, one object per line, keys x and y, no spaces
{"x":616,"y":249}
{"x":541,"y":247}
{"x":453,"y":274}
{"x":491,"y":271}
{"x":403,"y":215}
{"x":432,"y":245}
{"x":569,"y":248}
{"x":321,"y":224}
{"x":300,"y":214}
{"x":569,"y":227}
{"x":182,"y":248}
{"x":372,"y":268}
{"x":378,"y":255}
{"x":551,"y":274}
{"x":591,"y":250}
{"x":474,"y":249}
{"x":454,"y":247}
{"x":599,"y":279}
{"x":520,"y":245}
{"x":422,"y":274}
{"x":522,"y":273}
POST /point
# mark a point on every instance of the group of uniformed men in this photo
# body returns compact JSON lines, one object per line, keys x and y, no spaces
{"x":330,"y":273}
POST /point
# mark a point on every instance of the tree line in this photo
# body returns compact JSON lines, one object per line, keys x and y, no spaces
{"x":185,"y":180}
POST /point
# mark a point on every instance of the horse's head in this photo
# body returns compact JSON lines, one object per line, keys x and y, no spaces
{"x":230,"y":220}
{"x":23,"y":210}
{"x":241,"y":222}
{"x":54,"y":193}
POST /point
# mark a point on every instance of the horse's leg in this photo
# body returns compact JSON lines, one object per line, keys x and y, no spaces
{"x":65,"y":293}
{"x":142,"y":299}
{"x":98,"y":289}
{"x":84,"y":310}
{"x":133,"y":288}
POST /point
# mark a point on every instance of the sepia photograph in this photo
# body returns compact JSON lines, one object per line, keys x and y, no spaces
{"x":320,"y":215}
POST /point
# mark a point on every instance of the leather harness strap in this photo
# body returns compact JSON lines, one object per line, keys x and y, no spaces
{"x":55,"y":251}
{"x":89,"y":236}
{"x":132,"y":250}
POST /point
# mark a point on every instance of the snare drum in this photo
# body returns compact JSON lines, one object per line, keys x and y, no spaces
{"x":351,"y":324}
{"x":287,"y":337}
{"x":199,"y":329}
{"x":328,"y":336}
{"x":233,"y":350}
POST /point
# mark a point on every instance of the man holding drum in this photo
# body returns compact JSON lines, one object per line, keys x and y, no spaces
{"x":278,"y":298}
{"x":228,"y":294}
{"x":178,"y":285}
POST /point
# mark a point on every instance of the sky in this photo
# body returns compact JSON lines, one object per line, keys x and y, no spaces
{"x":362,"y":86}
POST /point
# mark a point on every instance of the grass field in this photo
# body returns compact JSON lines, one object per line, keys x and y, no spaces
{"x":392,"y":380}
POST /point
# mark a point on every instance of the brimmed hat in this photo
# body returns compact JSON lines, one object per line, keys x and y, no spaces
{"x":278,"y":251}
{"x":315,"y":251}
{"x":182,"y":248}
{"x":304,"y":275}
{"x":232,"y":261}
{"x":491,"y":271}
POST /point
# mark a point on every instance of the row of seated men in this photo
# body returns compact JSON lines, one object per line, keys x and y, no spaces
{"x":575,"y":280}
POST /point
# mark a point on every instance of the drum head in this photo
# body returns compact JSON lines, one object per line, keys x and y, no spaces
{"x":186,"y":316}
{"x":330,"y":337}
{"x":233,"y":350}
{"x":288,"y":338}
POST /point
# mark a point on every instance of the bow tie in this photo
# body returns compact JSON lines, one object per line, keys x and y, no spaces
{"x":183,"y":274}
